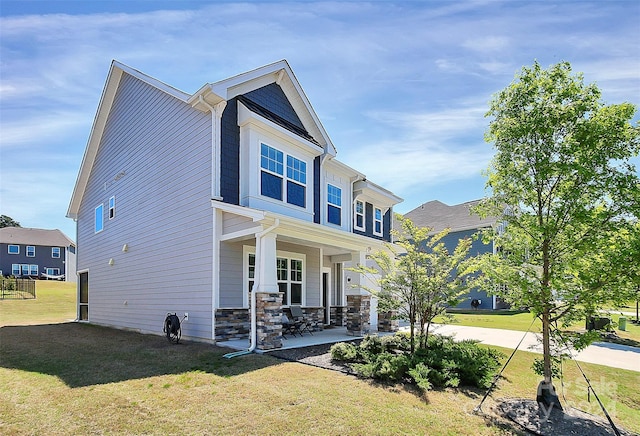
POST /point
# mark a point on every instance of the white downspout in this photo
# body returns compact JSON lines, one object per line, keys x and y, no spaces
{"x":216,"y":115}
{"x":253,"y":336}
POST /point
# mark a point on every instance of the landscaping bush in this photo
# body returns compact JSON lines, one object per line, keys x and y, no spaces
{"x":443,"y":362}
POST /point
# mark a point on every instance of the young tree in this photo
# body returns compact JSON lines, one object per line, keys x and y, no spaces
{"x":562,"y":181}
{"x":421,"y":279}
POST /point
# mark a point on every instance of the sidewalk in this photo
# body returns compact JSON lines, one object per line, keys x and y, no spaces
{"x":602,"y":353}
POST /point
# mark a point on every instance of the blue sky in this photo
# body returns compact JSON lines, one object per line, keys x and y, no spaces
{"x":400,"y":87}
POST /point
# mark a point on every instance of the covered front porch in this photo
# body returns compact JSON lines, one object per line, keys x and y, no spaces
{"x":326,"y":336}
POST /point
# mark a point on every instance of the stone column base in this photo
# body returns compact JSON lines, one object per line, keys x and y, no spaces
{"x":268,"y":320}
{"x":358,"y":314}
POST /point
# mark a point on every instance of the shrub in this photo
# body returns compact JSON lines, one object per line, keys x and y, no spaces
{"x":344,"y":351}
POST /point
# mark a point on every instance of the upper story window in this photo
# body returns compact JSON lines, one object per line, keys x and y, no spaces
{"x":112,"y":208}
{"x":358,"y":215}
{"x":334,"y":206}
{"x":55,"y":252}
{"x":377,"y":221}
{"x":272,"y":176}
{"x":13,"y":249}
{"x":99,"y":219}
{"x":31,"y":251}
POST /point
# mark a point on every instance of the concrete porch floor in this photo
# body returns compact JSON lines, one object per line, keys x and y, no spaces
{"x":326,"y":336}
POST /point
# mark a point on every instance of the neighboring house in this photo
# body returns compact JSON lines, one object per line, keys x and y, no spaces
{"x":462,"y":224}
{"x":186,"y":202}
{"x":37,"y":253}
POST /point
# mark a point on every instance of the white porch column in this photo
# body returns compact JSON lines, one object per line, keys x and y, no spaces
{"x":268,"y":281}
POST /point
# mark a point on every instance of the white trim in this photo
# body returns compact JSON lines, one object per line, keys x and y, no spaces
{"x":381,"y":221}
{"x":95,"y":220}
{"x":26,"y":251}
{"x":356,"y":214}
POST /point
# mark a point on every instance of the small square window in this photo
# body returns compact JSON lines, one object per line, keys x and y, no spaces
{"x":13,"y":249}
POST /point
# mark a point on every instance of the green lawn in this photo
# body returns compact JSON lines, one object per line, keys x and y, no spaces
{"x":71,"y":378}
{"x":522,"y":321}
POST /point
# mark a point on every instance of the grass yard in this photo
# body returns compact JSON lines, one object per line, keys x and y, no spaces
{"x":521,"y":321}
{"x":71,"y":378}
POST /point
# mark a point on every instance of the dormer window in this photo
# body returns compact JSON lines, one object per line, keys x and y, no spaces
{"x":272,"y":176}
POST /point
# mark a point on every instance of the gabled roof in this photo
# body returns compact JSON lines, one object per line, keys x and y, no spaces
{"x":440,"y":216}
{"x":208,"y":95}
{"x":39,"y":237}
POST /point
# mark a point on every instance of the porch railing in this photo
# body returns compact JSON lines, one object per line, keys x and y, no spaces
{"x":12,"y":288}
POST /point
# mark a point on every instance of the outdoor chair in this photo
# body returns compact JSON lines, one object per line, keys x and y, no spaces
{"x":298,"y":316}
{"x":289,"y":327}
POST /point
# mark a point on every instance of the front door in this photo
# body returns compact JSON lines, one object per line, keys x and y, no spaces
{"x":326,"y":294}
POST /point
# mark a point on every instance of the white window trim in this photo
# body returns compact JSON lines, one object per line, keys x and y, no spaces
{"x":112,"y":208}
{"x":33,"y":254}
{"x":13,"y":245}
{"x":247,"y":250}
{"x":334,"y":205}
{"x":381,"y":221}
{"x":53,"y":256}
{"x":15,"y":267}
{"x":356,"y":214}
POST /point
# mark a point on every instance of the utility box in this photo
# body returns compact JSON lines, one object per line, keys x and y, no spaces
{"x":622,"y":323}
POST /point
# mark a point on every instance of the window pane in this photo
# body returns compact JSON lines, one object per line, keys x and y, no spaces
{"x":55,"y":252}
{"x":359,"y":221}
{"x":282,"y":287}
{"x":296,"y":194}
{"x":31,"y":251}
{"x":271,"y":186}
{"x":334,"y":195}
{"x":296,"y":270}
{"x":112,"y":207}
{"x":271,"y":159}
{"x":378,"y":228}
{"x":296,"y":169}
{"x":98,"y":219}
{"x":378,"y":214}
{"x":25,"y":270}
{"x":282,"y":268}
{"x":15,"y":269}
{"x":296,"y":293}
{"x":333,"y":215}
{"x":33,"y":270}
{"x":14,"y":249}
{"x":359,"y":207}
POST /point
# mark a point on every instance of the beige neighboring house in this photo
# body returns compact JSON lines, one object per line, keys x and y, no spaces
{"x":37,"y":253}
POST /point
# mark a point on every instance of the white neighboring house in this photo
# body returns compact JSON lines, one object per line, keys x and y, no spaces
{"x":186,"y":202}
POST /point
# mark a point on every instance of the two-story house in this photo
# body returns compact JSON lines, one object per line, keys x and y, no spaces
{"x":462,"y":223}
{"x":227,"y":204}
{"x":37,"y":253}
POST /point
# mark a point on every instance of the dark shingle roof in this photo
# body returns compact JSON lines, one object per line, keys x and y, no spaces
{"x":440,"y":216}
{"x":40,"y":237}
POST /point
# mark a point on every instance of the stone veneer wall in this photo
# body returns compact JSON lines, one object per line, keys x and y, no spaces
{"x":232,"y":324}
{"x":338,"y":316}
{"x":386,"y":322}
{"x":315,"y":315}
{"x":269,"y":320}
{"x":358,"y":320}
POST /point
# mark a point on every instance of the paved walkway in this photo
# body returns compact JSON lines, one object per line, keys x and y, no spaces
{"x":602,"y":353}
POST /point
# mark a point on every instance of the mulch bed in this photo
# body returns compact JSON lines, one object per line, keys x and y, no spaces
{"x":526,"y":414}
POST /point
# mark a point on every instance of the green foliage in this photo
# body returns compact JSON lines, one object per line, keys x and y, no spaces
{"x":417,"y":276}
{"x":442,"y":363}
{"x":563,"y":187}
{"x":7,"y":221}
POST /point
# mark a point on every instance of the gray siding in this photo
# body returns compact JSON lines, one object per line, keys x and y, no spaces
{"x":231,"y":275}
{"x":155,"y":158}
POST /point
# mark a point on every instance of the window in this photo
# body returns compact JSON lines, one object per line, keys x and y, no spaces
{"x":272,"y":176}
{"x":289,"y":275}
{"x":25,"y":269}
{"x":14,"y":249}
{"x":53,"y":271}
{"x":334,"y":209}
{"x":31,"y":251}
{"x":377,"y":221}
{"x":359,"y":215}
{"x":99,"y":223}
{"x":15,"y":269}
{"x":55,"y":252}
{"x":33,"y":270}
{"x":112,"y":208}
